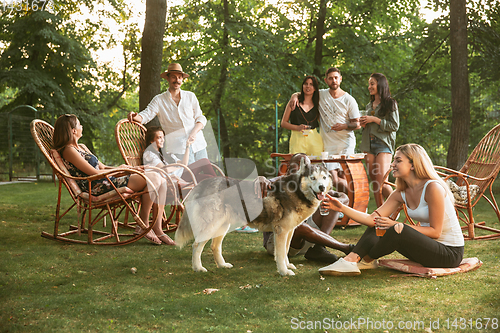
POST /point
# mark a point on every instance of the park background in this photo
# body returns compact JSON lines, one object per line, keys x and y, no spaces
{"x":93,"y":58}
{"x":101,"y":59}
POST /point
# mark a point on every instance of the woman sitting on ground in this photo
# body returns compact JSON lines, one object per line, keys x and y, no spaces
{"x":81,"y":163}
{"x":436,"y":241}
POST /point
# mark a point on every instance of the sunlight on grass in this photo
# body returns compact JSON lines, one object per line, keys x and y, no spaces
{"x":49,"y":286}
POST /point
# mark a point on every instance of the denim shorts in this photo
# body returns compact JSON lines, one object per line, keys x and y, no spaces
{"x":377,"y":146}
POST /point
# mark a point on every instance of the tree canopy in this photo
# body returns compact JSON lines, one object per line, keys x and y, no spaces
{"x":245,"y":57}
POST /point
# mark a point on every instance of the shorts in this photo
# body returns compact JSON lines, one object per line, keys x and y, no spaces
{"x":377,"y":146}
{"x":193,"y":157}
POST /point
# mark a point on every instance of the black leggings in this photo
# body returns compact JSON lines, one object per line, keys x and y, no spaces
{"x":411,"y":244}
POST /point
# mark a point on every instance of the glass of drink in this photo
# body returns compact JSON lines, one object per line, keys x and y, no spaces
{"x":324,"y":155}
{"x":379,"y":231}
{"x":323,"y":211}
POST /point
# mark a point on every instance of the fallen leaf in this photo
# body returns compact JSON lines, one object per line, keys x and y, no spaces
{"x":209,"y":291}
{"x":321,"y":278}
{"x":245,"y":287}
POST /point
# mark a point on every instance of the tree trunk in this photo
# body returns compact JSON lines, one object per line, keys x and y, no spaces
{"x":151,"y":53}
{"x":216,"y":102}
{"x":320,"y":31}
{"x":460,"y":93}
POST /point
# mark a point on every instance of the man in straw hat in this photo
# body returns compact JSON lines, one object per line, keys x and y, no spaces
{"x":179,"y":114}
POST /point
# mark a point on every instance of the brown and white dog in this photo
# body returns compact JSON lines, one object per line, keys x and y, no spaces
{"x":218,"y":204}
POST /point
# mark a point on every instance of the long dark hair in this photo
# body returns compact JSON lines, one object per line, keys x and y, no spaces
{"x":387,"y":102}
{"x":315,"y":97}
{"x":63,"y":130}
{"x":151,"y":133}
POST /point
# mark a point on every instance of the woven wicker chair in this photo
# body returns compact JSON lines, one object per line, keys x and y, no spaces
{"x":471,"y":183}
{"x":131,"y":140}
{"x":479,"y":171}
{"x":93,"y":211}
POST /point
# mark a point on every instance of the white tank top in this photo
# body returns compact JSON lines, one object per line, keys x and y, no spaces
{"x":451,"y":234}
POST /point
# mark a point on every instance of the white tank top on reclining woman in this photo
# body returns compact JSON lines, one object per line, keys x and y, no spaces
{"x":451,"y":234}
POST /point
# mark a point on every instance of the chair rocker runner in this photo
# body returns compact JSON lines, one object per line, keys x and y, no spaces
{"x":102,"y":220}
{"x":131,"y":141}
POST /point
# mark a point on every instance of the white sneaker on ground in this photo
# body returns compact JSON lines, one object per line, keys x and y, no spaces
{"x":341,"y":268}
{"x":368,"y":265}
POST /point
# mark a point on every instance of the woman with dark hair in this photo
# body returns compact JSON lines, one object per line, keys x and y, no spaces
{"x":380,"y":123}
{"x":303,"y":121}
{"x":81,"y":163}
{"x":154,"y":155}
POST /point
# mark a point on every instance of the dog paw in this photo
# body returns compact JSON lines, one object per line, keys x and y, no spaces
{"x":291,"y":266}
{"x":199,"y":269}
{"x":225,"y":265}
{"x":287,"y":272}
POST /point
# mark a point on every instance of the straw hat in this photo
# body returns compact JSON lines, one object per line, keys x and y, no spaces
{"x":173,"y":68}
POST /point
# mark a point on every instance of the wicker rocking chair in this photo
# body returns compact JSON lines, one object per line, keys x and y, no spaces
{"x":102,"y":220}
{"x":131,"y":140}
{"x":473,"y":180}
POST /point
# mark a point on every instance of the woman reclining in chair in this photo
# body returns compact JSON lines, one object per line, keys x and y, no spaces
{"x":437,"y":241}
{"x":81,"y":163}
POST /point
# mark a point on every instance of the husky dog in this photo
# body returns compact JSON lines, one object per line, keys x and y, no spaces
{"x":211,"y":210}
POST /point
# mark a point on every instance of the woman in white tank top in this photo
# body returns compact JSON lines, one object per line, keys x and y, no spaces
{"x":436,"y":241}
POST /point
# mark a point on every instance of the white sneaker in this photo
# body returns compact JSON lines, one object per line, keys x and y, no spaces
{"x":341,"y":268}
{"x":367,"y":265}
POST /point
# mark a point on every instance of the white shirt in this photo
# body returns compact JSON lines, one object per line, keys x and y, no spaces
{"x":177,"y":120}
{"x":337,"y":110}
{"x":151,"y":157}
{"x":451,"y":233}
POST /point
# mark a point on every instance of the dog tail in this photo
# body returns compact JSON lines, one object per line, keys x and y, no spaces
{"x":184,"y":232}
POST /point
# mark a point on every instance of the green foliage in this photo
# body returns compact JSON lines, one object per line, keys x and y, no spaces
{"x":46,"y":62}
{"x":42,"y":62}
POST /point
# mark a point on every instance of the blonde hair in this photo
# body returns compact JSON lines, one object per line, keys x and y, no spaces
{"x":423,"y":167}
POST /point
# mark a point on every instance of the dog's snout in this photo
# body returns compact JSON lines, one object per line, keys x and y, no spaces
{"x":322,"y":188}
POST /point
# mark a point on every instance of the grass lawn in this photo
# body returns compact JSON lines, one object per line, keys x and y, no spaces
{"x":47,"y":286}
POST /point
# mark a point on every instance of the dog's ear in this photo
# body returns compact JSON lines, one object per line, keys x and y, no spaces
{"x":303,"y":165}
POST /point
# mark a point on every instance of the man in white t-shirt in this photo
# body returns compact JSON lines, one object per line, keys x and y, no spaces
{"x":179,"y":114}
{"x":339,"y":117}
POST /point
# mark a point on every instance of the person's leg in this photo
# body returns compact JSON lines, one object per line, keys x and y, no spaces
{"x":381,"y":165}
{"x":158,"y":228}
{"x":137,"y":183}
{"x":339,"y":182}
{"x":416,"y":247}
{"x":201,"y":169}
{"x":305,"y":232}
